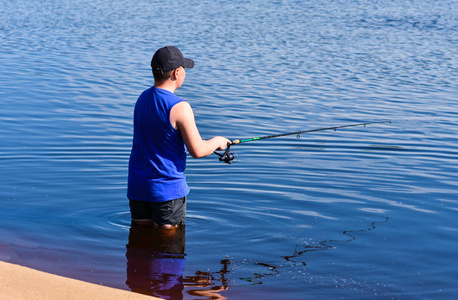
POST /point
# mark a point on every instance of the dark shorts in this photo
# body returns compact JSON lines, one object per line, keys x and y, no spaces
{"x":171,"y":212}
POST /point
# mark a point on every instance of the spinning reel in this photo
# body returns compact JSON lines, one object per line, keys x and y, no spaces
{"x":228,"y":156}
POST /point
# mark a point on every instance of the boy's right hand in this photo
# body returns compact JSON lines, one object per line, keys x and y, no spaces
{"x":222,"y":142}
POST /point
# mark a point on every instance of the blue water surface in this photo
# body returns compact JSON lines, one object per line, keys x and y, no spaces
{"x":357,"y":213}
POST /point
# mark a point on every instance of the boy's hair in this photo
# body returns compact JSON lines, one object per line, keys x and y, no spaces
{"x":161,"y":76}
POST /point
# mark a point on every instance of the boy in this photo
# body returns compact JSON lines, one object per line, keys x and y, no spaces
{"x":164,"y":126}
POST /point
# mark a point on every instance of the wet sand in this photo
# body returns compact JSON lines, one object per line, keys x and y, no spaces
{"x":18,"y":282}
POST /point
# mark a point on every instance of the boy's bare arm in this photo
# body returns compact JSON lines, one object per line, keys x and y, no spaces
{"x":182,"y":118}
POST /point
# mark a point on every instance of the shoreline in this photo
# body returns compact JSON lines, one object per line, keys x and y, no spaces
{"x":19,"y":282}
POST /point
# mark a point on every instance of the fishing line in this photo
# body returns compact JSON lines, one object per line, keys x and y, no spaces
{"x":229,"y":157}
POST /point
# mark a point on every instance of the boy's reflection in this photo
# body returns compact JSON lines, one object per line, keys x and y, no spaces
{"x":155,"y":261}
{"x":155,"y":265}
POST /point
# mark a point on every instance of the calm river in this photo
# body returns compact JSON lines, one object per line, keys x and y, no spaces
{"x":358,"y":213}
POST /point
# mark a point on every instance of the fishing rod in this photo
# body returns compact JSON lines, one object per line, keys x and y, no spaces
{"x":229,"y":156}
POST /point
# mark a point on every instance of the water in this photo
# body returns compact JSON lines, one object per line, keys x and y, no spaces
{"x":357,"y":213}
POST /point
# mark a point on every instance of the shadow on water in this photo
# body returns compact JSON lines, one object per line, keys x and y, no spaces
{"x":155,"y":266}
{"x":325,"y":245}
{"x":156,"y":262}
{"x":297,"y":257}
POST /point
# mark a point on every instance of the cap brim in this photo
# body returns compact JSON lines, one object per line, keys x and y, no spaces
{"x":188,"y":63}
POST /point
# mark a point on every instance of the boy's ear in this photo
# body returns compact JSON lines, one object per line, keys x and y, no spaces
{"x":175,"y":73}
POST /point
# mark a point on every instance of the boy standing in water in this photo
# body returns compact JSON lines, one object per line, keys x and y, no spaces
{"x":164,"y":126}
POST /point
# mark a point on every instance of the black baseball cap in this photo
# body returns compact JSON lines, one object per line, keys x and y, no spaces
{"x":170,"y":58}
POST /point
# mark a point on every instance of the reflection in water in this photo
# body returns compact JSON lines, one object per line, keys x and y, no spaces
{"x":155,"y":261}
{"x":206,"y":279}
{"x":155,"y":265}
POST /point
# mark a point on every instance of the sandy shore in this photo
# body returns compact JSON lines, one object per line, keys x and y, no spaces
{"x":17,"y":282}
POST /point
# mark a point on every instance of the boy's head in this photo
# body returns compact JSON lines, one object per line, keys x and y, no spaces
{"x":167,"y":59}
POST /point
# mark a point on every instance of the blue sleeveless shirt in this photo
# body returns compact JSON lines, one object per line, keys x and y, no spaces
{"x":158,"y":157}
